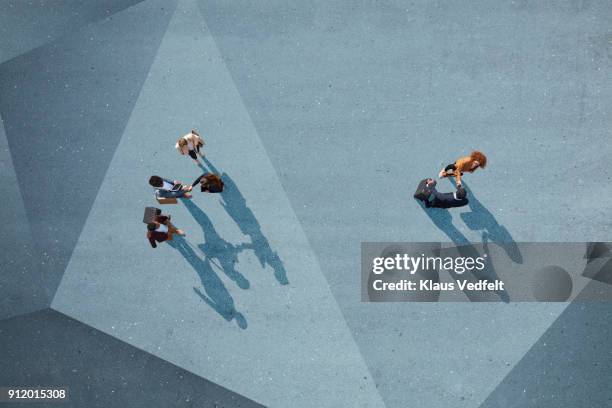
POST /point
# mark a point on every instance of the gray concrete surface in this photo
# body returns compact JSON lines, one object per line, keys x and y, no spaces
{"x":276,"y":335}
{"x":342,"y":107}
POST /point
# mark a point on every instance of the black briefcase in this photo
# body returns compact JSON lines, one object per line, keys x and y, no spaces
{"x":423,"y":191}
{"x":149,"y":214}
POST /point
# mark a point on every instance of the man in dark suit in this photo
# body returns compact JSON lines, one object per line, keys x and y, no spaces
{"x":445,"y":200}
{"x":161,"y":229}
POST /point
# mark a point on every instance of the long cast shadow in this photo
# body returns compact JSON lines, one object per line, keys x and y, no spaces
{"x":480,"y":219}
{"x":215,"y":293}
{"x":443,"y":219}
{"x":216,"y":247}
{"x":236,"y":207}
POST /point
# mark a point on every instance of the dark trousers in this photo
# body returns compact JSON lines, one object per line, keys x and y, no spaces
{"x":192,"y":153}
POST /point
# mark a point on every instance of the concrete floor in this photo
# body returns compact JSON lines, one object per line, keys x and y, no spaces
{"x":323,"y":117}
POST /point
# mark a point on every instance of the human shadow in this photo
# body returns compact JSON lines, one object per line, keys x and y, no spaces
{"x":443,"y":219}
{"x":215,"y":247}
{"x":481,"y":219}
{"x":235,"y":204}
{"x":214,"y":293}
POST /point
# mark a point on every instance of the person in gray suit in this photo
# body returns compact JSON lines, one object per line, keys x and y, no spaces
{"x":445,"y":200}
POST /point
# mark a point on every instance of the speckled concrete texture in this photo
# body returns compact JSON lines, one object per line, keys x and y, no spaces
{"x":322,"y":117}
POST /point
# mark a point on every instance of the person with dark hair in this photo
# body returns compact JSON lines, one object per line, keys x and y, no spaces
{"x":160,"y":229}
{"x":469,"y":163}
{"x":190,"y":144}
{"x":165,"y":188}
{"x":209,"y":183}
{"x":445,"y":200}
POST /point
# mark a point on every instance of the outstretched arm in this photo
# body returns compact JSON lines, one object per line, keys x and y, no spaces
{"x":197,"y":181}
{"x":435,"y":193}
{"x":458,"y":177}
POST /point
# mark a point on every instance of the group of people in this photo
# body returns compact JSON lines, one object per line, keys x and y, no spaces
{"x":428,"y":193}
{"x":160,"y":228}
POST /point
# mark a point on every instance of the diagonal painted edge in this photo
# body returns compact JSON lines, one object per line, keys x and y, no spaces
{"x":66,"y":29}
{"x":263,"y":146}
{"x":74,"y":150}
{"x":21,"y":285}
{"x":316,"y":259}
{"x":569,"y":365}
{"x":49,"y":348}
{"x":146,"y":297}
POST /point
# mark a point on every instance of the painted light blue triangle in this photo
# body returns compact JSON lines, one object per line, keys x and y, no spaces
{"x":63,"y":122}
{"x":384,"y":98}
{"x":352,"y":104}
{"x":241,"y":300}
{"x":21,"y":287}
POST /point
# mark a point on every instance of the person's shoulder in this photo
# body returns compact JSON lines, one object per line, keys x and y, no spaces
{"x":463,"y":161}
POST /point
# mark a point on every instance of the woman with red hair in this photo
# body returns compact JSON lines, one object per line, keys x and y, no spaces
{"x":469,"y":163}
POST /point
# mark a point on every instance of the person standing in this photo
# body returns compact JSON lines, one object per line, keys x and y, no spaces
{"x":161,"y":229}
{"x":469,"y":163}
{"x":209,"y":183}
{"x":190,"y":144}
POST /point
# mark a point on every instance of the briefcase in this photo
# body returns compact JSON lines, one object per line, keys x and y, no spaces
{"x":149,"y":214}
{"x":423,"y":191}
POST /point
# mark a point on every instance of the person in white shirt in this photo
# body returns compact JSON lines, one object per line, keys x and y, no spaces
{"x":165,"y":188}
{"x":190,"y":145}
{"x":160,"y":229}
